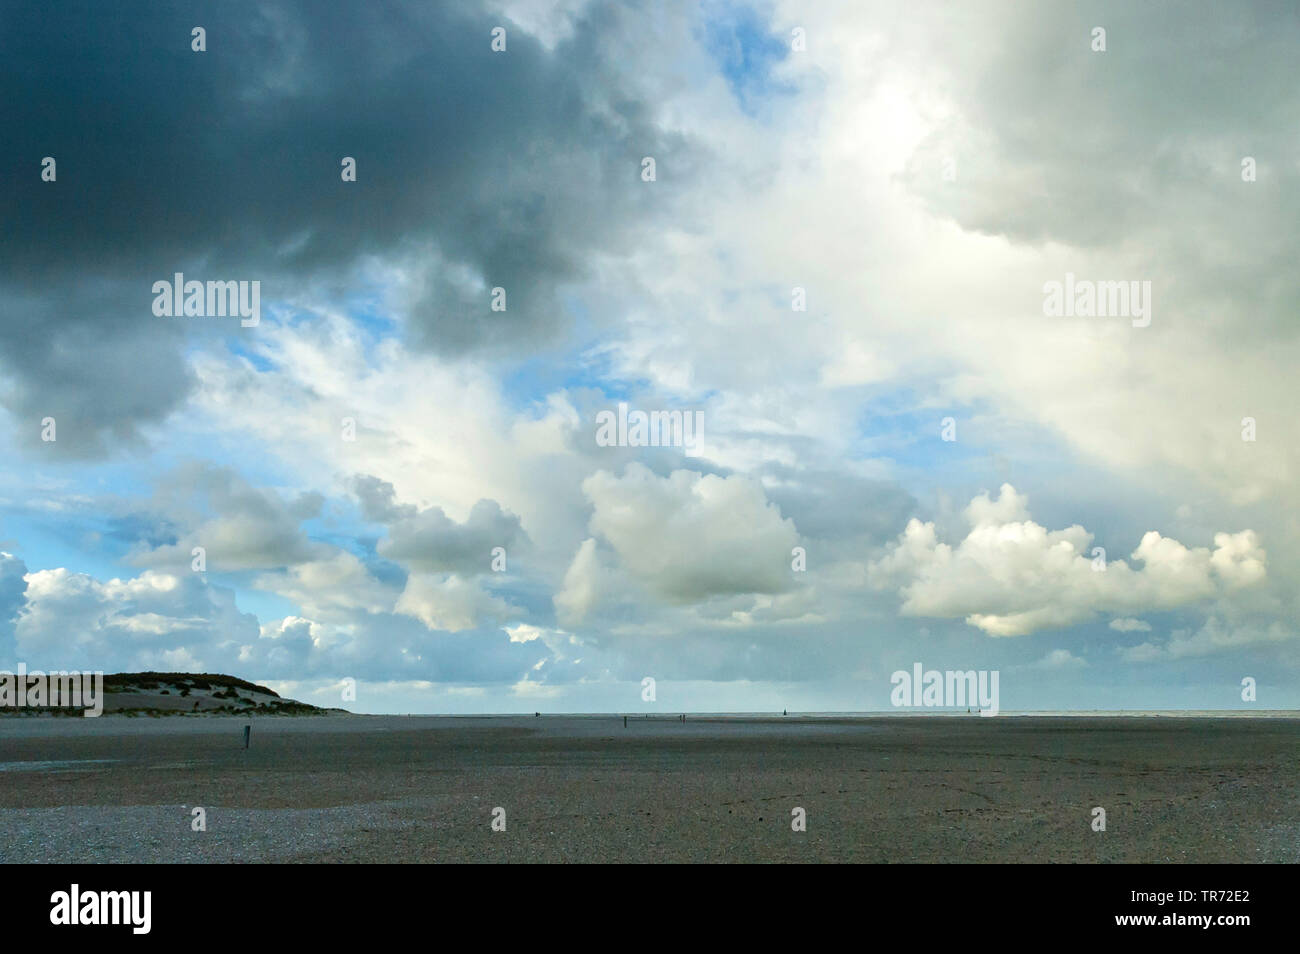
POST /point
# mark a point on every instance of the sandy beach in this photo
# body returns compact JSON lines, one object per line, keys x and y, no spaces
{"x":712,"y":789}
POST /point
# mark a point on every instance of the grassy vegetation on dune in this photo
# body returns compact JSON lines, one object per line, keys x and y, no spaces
{"x":142,"y":694}
{"x":128,"y":681}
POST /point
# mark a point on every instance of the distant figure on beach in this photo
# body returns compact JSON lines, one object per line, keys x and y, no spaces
{"x":783,"y":712}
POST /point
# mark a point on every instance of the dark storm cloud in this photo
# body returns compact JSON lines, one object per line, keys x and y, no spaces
{"x":87,"y":352}
{"x":474,"y":169}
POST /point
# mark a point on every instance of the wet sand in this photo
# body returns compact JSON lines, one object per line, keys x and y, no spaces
{"x":585,"y":789}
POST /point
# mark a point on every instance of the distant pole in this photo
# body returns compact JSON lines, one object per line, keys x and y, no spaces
{"x":248,"y":731}
{"x":625,"y":722}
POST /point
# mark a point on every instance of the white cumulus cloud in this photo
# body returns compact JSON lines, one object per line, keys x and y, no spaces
{"x":1011,"y":576}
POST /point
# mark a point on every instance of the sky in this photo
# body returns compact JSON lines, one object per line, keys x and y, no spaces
{"x":828,"y":232}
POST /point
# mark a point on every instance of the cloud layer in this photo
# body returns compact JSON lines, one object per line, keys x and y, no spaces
{"x":838,"y":264}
